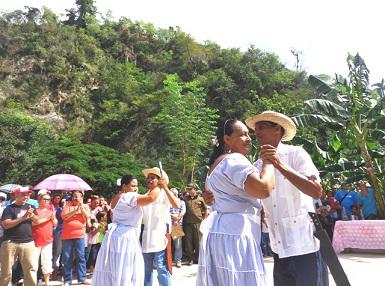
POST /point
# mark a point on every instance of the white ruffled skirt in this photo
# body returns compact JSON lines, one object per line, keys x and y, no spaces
{"x":120,"y":259}
{"x":230,"y":252}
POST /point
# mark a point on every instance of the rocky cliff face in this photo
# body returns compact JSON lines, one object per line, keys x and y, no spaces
{"x":26,"y":85}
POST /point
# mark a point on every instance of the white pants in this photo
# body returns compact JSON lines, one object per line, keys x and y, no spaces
{"x":45,"y":254}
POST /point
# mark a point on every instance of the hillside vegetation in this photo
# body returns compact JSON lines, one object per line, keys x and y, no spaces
{"x":97,"y":90}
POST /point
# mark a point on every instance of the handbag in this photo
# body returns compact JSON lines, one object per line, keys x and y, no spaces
{"x":177,"y":231}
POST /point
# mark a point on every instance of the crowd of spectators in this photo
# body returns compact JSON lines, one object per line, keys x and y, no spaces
{"x":39,"y":237}
{"x":61,"y":233}
{"x":346,"y":202}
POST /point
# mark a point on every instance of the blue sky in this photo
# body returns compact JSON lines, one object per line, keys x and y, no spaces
{"x":323,"y":31}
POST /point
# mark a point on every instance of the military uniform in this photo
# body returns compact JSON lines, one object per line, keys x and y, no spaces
{"x":195,"y":210}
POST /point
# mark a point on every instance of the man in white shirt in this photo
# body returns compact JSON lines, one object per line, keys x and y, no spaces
{"x":297,"y":259}
{"x":156,"y":217}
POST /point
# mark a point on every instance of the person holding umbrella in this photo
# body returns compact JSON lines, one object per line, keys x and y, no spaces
{"x":42,"y":234}
{"x":75,"y":216}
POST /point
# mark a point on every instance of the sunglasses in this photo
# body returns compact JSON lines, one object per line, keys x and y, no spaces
{"x":45,"y":199}
{"x":152,"y":177}
{"x":2,"y":199}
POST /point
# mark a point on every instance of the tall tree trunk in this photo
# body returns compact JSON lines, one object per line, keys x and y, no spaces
{"x":184,"y":163}
{"x":192,"y":173}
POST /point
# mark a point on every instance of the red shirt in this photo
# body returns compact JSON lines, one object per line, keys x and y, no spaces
{"x":333,"y":204}
{"x":42,"y":233}
{"x":73,"y":227}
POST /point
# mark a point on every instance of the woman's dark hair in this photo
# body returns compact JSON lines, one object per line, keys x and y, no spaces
{"x":100,"y":214}
{"x":126,"y":179}
{"x":225,"y":128}
{"x":109,"y":216}
{"x":94,"y":197}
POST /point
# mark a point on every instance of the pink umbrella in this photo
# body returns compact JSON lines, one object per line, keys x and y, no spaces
{"x":63,"y":182}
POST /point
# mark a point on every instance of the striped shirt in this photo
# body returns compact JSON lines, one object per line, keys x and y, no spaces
{"x":174,"y":212}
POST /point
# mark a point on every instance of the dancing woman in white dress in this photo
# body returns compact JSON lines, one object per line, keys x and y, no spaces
{"x":230,"y":251}
{"x":120,"y":260}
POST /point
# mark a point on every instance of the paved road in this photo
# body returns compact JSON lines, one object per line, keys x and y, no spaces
{"x":361,"y":269}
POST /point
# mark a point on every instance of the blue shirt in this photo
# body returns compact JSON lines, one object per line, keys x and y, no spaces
{"x":350,"y":200}
{"x":368,"y":203}
{"x":59,"y":226}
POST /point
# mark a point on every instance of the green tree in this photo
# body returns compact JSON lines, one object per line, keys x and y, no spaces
{"x":349,"y":117}
{"x":20,"y":136}
{"x":99,"y":165}
{"x":82,"y":15}
{"x":188,"y":123}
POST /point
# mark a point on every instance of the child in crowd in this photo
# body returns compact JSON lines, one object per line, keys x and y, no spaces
{"x":102,"y":220}
{"x":356,"y":214}
{"x":92,"y":244}
{"x":97,"y":231}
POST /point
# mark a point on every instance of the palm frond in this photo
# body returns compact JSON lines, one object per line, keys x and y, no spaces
{"x":380,"y":88}
{"x":314,"y":120}
{"x":321,"y":87}
{"x":358,"y":72}
{"x":378,"y":122}
{"x":327,"y":107}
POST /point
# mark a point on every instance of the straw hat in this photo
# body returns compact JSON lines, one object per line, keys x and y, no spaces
{"x":155,"y":171}
{"x":282,"y":120}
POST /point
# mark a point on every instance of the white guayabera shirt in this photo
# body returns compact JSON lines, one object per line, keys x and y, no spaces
{"x":156,"y":216}
{"x":290,"y":226}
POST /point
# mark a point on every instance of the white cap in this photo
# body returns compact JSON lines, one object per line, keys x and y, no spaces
{"x":43,"y":192}
{"x":3,"y":195}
